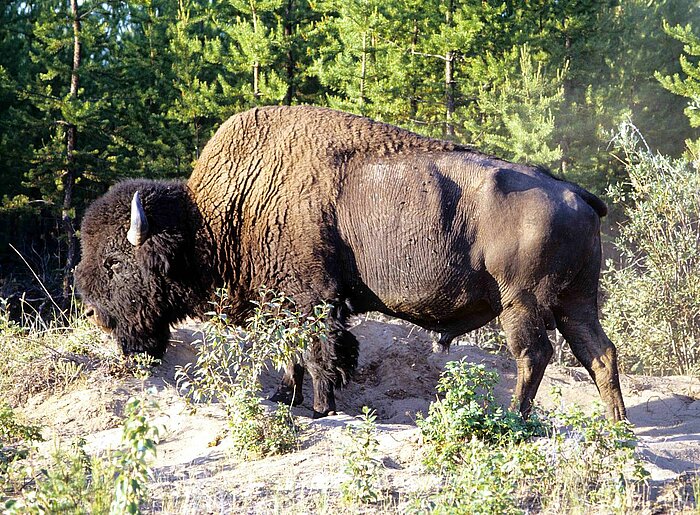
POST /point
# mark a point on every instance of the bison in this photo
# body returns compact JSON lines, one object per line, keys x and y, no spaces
{"x":336,"y":208}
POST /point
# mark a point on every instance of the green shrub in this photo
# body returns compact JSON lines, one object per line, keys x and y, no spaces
{"x":230,"y":360}
{"x":74,"y":482}
{"x":254,"y":432}
{"x":492,"y":462}
{"x":653,"y":294}
{"x":594,"y":462}
{"x":468,"y":409}
{"x":71,"y":482}
{"x":16,"y":439}
{"x":361,"y":465}
{"x":131,"y":463}
{"x":484,"y":482}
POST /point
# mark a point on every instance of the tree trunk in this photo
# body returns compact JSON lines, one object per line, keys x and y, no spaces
{"x":256,"y":81}
{"x":414,"y":85}
{"x":449,"y":95}
{"x":568,"y":89}
{"x":256,"y":63}
{"x":363,"y":73}
{"x":288,"y":32}
{"x":69,"y":174}
{"x":449,"y":130}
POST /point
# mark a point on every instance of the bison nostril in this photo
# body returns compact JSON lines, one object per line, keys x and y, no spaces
{"x":89,"y":312}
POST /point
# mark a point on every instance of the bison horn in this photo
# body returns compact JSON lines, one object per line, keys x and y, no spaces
{"x":138,"y":231}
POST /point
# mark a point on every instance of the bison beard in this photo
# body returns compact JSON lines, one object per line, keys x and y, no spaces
{"x":332,"y":207}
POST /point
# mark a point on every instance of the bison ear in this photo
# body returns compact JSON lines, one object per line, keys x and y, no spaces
{"x":138,"y":231}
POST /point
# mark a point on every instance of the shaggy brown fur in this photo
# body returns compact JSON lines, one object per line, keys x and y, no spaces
{"x":328,"y":206}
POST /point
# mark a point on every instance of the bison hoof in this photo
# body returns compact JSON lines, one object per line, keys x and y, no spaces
{"x":285,"y":395}
{"x":441,"y":348}
{"x":323,"y":414}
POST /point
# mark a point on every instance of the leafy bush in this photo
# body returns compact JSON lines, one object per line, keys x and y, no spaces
{"x":485,"y":482}
{"x":653,"y":296}
{"x":131,"y":464}
{"x":15,"y":441}
{"x":493,"y":462}
{"x":468,"y":409}
{"x":74,"y":482}
{"x":231,"y":359}
{"x":361,"y":465}
{"x":594,"y":461}
{"x":256,"y":433}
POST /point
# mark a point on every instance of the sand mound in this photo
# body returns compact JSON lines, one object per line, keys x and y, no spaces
{"x":397,"y":375}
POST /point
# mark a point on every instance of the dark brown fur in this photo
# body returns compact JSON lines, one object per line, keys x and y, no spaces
{"x":328,"y":206}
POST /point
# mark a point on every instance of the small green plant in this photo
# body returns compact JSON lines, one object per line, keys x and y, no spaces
{"x":67,"y":372}
{"x":131,"y":464}
{"x":594,"y":458}
{"x":15,"y":442}
{"x":361,"y":465}
{"x":141,"y":365}
{"x":74,"y":482}
{"x":255,"y":433}
{"x":230,"y":360}
{"x":492,"y":461}
{"x":485,"y":482}
{"x":8,"y":327}
{"x":468,"y":409}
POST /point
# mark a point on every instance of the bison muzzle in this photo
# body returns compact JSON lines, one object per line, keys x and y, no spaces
{"x":332,"y":207}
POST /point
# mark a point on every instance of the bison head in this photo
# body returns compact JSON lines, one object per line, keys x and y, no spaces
{"x":140,"y":269}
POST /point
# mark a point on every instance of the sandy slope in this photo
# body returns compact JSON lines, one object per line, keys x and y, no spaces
{"x":397,"y":375}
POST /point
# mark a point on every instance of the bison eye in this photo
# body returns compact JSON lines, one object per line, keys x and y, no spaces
{"x":112,"y":264}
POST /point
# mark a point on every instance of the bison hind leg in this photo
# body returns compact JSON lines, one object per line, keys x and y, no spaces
{"x":579,"y":324}
{"x":526,"y":333}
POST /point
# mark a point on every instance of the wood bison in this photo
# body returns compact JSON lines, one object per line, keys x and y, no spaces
{"x":327,"y":206}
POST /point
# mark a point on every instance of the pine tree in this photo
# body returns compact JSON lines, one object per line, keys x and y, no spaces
{"x":198,"y":102}
{"x":64,"y":111}
{"x":448,"y":45}
{"x":687,"y":86}
{"x":352,"y":64}
{"x":254,"y":35}
{"x":16,"y":143}
{"x":296,"y":41}
{"x":142,"y":138}
{"x":518,"y":110}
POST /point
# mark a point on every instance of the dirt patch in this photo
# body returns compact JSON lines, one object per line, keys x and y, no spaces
{"x":397,"y":374}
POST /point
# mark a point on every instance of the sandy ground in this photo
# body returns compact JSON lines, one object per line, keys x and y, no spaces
{"x":397,"y":374}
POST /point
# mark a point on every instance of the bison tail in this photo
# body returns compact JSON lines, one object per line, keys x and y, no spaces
{"x":597,"y":204}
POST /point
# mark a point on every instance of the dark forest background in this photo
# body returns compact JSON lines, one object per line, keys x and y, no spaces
{"x":96,"y":91}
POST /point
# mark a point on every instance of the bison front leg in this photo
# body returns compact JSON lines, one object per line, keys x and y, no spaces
{"x":289,"y":392}
{"x":528,"y":342}
{"x":331,"y":361}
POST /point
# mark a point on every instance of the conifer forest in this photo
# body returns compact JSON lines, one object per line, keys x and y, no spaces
{"x":602,"y":93}
{"x":94,"y":91}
